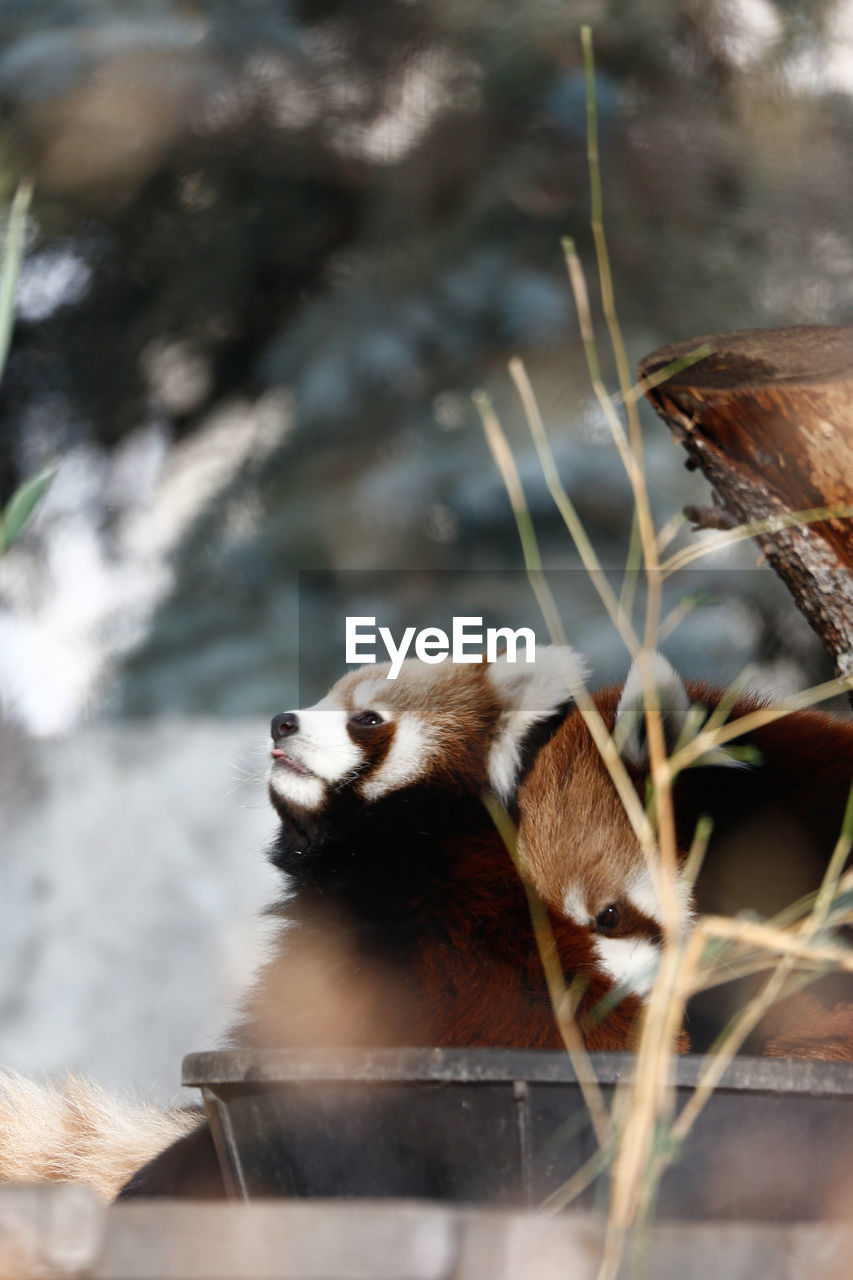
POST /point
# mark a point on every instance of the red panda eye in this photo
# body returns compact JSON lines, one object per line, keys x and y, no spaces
{"x":607,"y":920}
{"x":367,"y":719}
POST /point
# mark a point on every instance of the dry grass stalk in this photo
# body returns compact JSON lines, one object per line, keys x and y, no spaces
{"x":565,"y":506}
{"x":10,"y":264}
{"x":647,"y":1097}
{"x":756,"y":933}
{"x":765,"y":936}
{"x":708,"y":740}
{"x":578,"y":1182}
{"x":561,"y":999}
{"x":502,"y":454}
{"x":728,"y":537}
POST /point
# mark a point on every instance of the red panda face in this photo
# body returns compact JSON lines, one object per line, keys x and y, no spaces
{"x":775,"y":817}
{"x":459,"y":726}
{"x":579,"y":847}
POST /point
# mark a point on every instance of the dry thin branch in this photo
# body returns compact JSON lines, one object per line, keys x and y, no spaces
{"x":706,"y":741}
{"x":633,"y":468}
{"x":506,"y":464}
{"x":577,"y":1183}
{"x":777,"y":940}
{"x":728,"y":537}
{"x":764,"y":936}
{"x":565,"y":506}
{"x":561,"y":1001}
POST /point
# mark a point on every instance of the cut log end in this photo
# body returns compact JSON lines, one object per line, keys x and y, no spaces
{"x":768,"y":418}
{"x":753,"y":358}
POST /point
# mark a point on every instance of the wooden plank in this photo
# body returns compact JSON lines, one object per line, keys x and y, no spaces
{"x":279,"y":1240}
{"x":347,"y":1240}
{"x":65,"y":1231}
{"x":51,"y":1230}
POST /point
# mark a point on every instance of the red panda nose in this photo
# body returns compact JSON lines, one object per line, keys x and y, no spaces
{"x":284,"y":724}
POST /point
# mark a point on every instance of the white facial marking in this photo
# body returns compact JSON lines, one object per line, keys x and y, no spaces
{"x":530,"y":693}
{"x":305,"y":793}
{"x":367,"y":694}
{"x":641,"y":891}
{"x":631,"y":962}
{"x":323,"y":745}
{"x":575,"y":907}
{"x":404,"y":761}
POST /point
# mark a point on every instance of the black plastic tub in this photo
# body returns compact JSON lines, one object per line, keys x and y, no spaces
{"x":505,"y":1127}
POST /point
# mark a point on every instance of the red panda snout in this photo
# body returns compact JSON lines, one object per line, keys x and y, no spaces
{"x":312,"y":753}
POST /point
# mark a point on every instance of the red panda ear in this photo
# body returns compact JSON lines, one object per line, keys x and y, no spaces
{"x":529,"y":692}
{"x":629,"y":731}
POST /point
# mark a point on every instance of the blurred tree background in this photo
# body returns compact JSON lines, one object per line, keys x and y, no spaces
{"x":273,"y":248}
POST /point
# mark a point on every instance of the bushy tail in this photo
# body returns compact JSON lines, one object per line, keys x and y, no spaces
{"x":73,"y":1131}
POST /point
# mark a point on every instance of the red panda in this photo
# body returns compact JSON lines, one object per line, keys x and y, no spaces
{"x":394,"y":863}
{"x":776,"y":816}
{"x":404,"y":921}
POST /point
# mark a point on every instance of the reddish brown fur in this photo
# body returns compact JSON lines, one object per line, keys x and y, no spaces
{"x":499,"y":998}
{"x":572,"y":819}
{"x":458,"y":702}
{"x":806,"y":1028}
{"x":409,"y":924}
{"x":569,"y":794}
{"x":473,"y":975}
{"x":574,"y":829}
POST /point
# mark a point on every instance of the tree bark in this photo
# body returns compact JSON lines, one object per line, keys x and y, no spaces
{"x":768,"y":418}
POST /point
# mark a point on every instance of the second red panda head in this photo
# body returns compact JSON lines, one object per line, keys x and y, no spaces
{"x":775,"y":818}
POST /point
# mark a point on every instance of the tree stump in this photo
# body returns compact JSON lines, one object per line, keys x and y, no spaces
{"x":768,"y":418}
